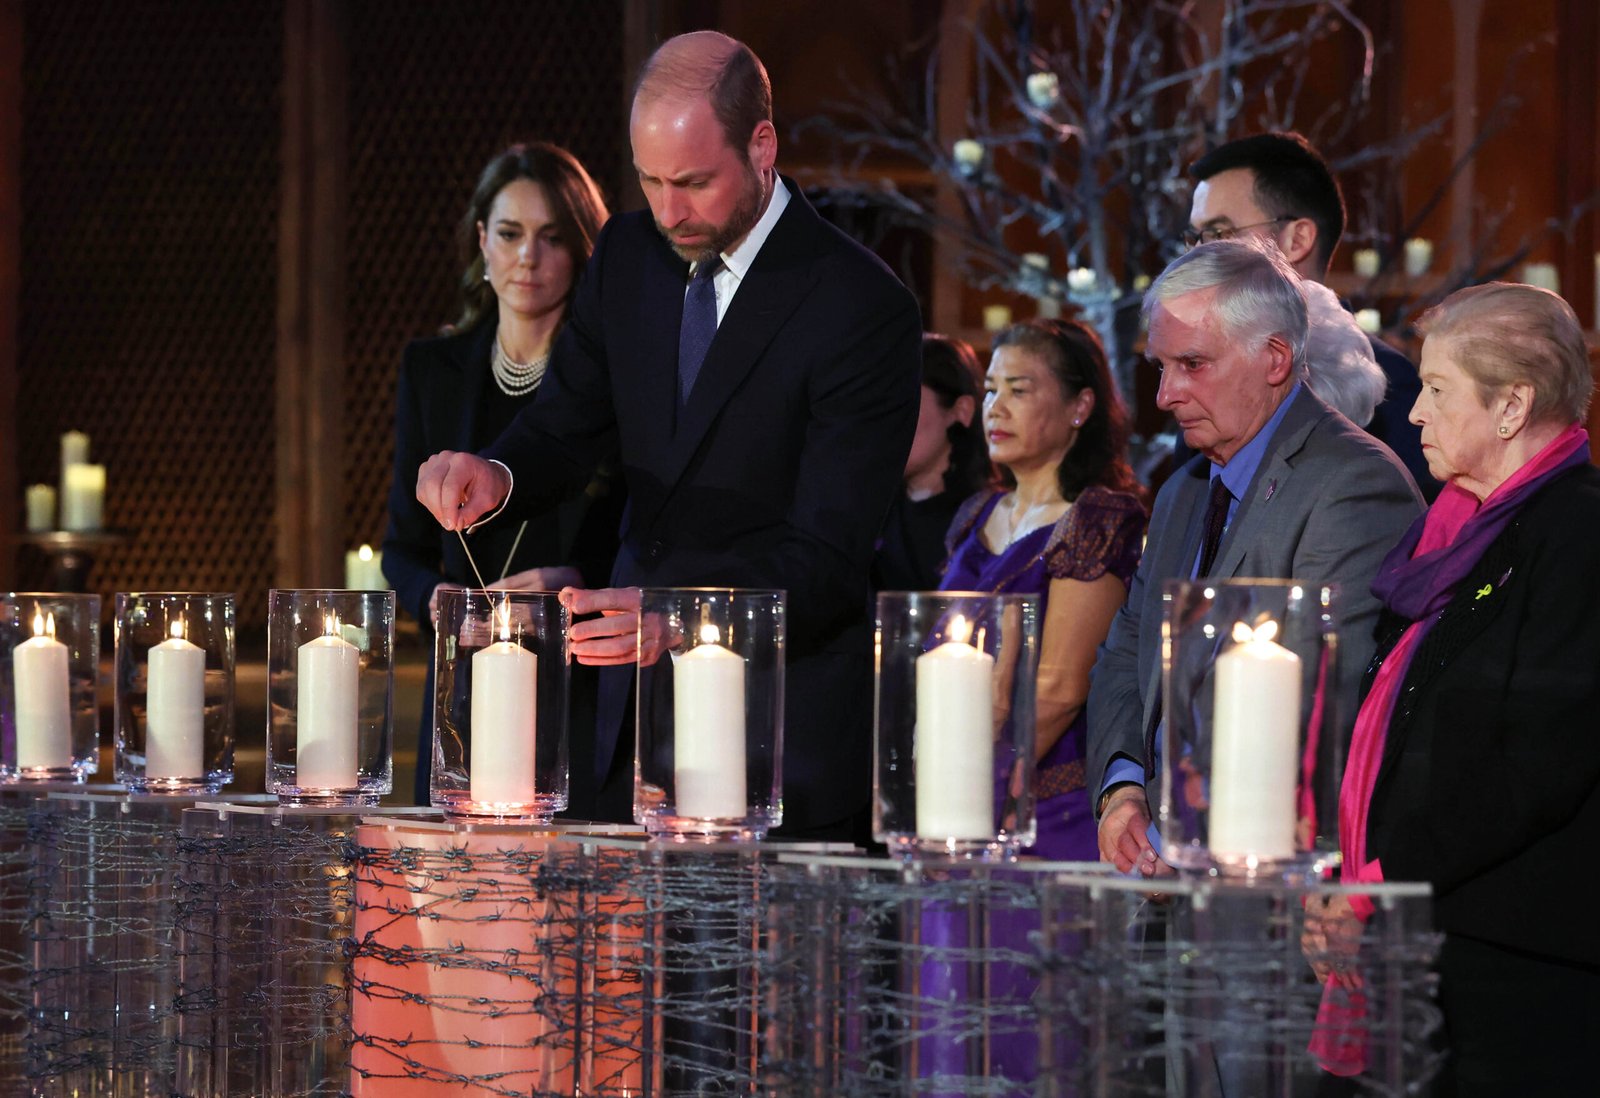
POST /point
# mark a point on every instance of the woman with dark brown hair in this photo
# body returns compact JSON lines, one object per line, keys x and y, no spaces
{"x":525,"y":237}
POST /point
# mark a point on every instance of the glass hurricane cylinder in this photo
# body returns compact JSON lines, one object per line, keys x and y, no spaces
{"x":174,"y":691}
{"x":953,"y":759}
{"x":1252,"y":741}
{"x":709,"y":761}
{"x":49,"y":668}
{"x":330,"y":696}
{"x":500,"y":705}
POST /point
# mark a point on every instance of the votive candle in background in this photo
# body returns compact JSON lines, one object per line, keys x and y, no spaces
{"x":43,"y":698}
{"x":708,"y":730}
{"x":954,"y":745}
{"x":41,"y":508}
{"x":505,"y":677}
{"x":1369,"y":321}
{"x":1543,"y":275}
{"x":1365,"y":261}
{"x":326,"y":730}
{"x":968,"y":155}
{"x":175,"y":738}
{"x":1255,"y":747}
{"x":74,"y":449}
{"x":1419,"y":256}
{"x":83,"y":497}
{"x":996,"y":317}
{"x":1081,"y":280}
{"x":363,"y":570}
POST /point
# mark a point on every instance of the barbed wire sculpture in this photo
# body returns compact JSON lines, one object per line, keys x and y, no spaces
{"x":220,"y":950}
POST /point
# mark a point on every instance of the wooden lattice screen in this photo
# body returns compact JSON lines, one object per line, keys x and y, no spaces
{"x":151,"y":185}
{"x":149,"y":199}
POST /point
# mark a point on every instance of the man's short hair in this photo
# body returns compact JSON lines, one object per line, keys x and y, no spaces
{"x":737,"y":87}
{"x":1291,"y":180}
{"x":1258,"y":293}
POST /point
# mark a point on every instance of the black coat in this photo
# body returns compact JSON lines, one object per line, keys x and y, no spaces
{"x":1490,"y":782}
{"x":777,"y":472}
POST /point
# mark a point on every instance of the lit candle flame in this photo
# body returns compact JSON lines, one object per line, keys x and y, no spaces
{"x":1266,"y":631}
{"x":960,"y":629}
{"x":364,"y":553}
{"x":709,"y":634}
{"x":177,"y":629}
{"x":44,"y":626}
{"x":330,"y":625}
{"x":504,"y":616}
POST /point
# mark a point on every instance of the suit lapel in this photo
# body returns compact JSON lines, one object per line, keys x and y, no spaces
{"x":1270,"y":485}
{"x":655,"y":382}
{"x":776,"y":284}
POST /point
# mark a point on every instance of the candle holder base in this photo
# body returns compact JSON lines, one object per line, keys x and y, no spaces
{"x":177,"y":787}
{"x":342,"y":798}
{"x":911,"y":848}
{"x":694,"y":829}
{"x":33,"y":775}
{"x":1301,"y":868}
{"x":539,"y":811}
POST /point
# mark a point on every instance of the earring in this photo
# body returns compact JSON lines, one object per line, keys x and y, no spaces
{"x":1077,"y":423}
{"x":1503,"y":430}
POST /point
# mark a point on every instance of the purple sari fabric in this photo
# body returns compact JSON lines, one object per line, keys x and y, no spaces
{"x":1101,"y":533}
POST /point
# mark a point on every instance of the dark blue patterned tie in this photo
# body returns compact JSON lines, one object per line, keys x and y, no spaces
{"x":699,"y":325}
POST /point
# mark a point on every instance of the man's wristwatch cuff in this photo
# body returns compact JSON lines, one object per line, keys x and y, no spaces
{"x":1105,"y":797}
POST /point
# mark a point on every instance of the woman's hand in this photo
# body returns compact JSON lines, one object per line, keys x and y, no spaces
{"x":1331,"y":939}
{"x":540,"y":579}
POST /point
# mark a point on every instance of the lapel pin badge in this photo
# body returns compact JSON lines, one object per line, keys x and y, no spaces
{"x":1272,"y":486}
{"x":1484,"y":592}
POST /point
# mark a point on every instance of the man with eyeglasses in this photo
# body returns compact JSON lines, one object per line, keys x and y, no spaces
{"x":1277,"y":186}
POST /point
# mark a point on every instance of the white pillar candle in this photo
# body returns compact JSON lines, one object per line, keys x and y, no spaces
{"x":708,"y":731}
{"x":44,"y":698}
{"x":1419,"y":256}
{"x":83,"y":497}
{"x":1365,"y":261}
{"x":504,"y":719}
{"x":74,"y":449}
{"x":1255,"y":747}
{"x":954,"y":740}
{"x":41,"y":500}
{"x":175,"y":737}
{"x":327,"y":725}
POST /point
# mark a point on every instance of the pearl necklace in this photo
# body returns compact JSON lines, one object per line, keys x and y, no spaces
{"x":516,"y":378}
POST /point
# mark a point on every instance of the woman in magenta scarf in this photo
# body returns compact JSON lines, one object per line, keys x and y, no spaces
{"x":1475,"y":762}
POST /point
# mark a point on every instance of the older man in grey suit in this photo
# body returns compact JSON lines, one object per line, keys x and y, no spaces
{"x":1282,"y":487}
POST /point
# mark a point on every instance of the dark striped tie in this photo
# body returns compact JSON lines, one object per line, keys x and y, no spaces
{"x":699,"y":325}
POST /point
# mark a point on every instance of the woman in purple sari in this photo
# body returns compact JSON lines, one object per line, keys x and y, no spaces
{"x":1067,"y":525}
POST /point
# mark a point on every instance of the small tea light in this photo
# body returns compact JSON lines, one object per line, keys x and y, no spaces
{"x":1081,"y":280}
{"x":996,"y":317}
{"x":1044,"y":89}
{"x":1419,"y":256}
{"x":968,"y":156}
{"x":1365,"y":261}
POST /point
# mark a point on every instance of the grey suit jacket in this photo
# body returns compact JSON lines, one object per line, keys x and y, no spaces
{"x":1327,"y":503}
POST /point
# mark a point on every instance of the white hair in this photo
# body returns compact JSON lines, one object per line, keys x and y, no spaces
{"x":1340,"y":366}
{"x":1258,"y":294}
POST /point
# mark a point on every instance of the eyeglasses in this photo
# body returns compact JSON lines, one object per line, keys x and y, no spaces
{"x":1223,"y":232}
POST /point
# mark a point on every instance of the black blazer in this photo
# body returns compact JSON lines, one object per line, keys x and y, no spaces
{"x":1490,"y":781}
{"x":438,"y":400}
{"x":776,"y":473}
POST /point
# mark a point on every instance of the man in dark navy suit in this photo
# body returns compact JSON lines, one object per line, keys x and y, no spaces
{"x":1276,"y":185}
{"x":756,"y":372}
